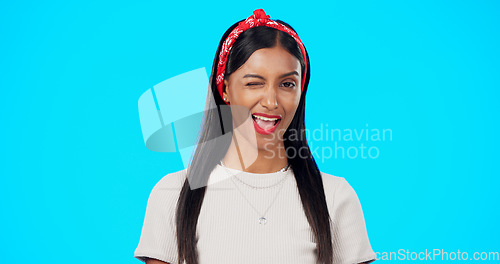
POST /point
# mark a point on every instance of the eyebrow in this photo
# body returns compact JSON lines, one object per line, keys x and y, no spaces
{"x":260,"y":77}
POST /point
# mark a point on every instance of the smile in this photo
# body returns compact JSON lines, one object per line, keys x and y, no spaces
{"x":265,"y":124}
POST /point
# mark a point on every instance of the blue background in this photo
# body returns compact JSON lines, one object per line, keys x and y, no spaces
{"x":76,"y":175}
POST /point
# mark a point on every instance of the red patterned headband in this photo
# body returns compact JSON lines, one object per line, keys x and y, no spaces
{"x":259,"y":18}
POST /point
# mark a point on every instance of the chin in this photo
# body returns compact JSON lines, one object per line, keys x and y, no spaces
{"x":268,"y":142}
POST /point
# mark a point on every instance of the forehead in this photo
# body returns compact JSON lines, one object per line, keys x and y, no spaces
{"x":270,"y":61}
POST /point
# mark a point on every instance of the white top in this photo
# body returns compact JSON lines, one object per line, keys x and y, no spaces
{"x":229,"y":231}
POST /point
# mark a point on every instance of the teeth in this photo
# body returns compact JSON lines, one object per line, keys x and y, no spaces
{"x":265,"y":118}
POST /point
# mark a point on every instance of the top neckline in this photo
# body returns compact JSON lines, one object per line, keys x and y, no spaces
{"x":256,"y":179}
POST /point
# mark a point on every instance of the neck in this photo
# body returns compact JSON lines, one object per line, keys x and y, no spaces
{"x":246,"y":157}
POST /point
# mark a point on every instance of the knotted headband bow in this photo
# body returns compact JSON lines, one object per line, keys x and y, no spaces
{"x":259,"y":18}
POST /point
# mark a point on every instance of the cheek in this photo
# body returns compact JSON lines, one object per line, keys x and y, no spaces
{"x":241,"y":96}
{"x":294,"y":105}
{"x":291,"y":110}
{"x":292,"y":101}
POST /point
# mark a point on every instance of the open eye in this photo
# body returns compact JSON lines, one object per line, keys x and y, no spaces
{"x":288,"y":84}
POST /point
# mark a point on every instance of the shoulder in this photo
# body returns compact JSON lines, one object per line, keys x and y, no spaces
{"x":158,"y":239}
{"x":350,"y":237}
{"x":166,"y":190}
{"x":332,"y":183}
{"x":338,"y":190}
{"x":173,"y":180}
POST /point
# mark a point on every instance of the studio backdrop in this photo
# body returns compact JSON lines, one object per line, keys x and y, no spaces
{"x":403,"y":102}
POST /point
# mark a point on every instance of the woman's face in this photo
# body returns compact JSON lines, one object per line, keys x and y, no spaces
{"x":268,"y":87}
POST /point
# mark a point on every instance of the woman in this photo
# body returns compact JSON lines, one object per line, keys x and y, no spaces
{"x":253,"y":192}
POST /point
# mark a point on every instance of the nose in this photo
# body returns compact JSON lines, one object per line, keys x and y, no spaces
{"x":269,"y":99}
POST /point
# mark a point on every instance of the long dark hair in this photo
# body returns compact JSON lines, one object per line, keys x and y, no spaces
{"x":213,"y":143}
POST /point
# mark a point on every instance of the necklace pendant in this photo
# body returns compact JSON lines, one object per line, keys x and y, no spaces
{"x":262,"y":220}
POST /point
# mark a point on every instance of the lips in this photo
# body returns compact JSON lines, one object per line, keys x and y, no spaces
{"x":264,"y":123}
